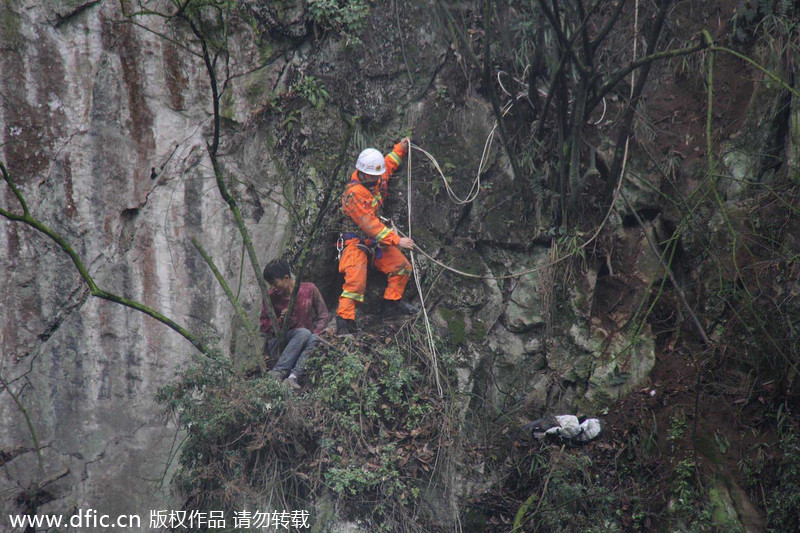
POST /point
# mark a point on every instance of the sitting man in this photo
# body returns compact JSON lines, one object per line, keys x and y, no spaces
{"x":309,"y":318}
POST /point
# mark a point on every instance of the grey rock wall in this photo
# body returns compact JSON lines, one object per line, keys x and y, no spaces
{"x":91,"y":107}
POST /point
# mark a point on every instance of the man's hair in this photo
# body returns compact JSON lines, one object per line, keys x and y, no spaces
{"x":276,"y":269}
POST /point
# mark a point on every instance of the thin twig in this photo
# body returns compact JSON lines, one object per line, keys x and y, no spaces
{"x":28,"y":422}
{"x":224,"y":284}
{"x":666,"y":267}
{"x":402,"y":43}
{"x":229,"y":199}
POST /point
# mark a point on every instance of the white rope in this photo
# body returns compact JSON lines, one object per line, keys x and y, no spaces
{"x":479,"y":276}
{"x":428,"y":329}
{"x":599,"y":120}
{"x":500,"y":83}
{"x":475,"y":189}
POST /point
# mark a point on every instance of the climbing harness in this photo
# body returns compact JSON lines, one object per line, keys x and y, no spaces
{"x":369,"y":246}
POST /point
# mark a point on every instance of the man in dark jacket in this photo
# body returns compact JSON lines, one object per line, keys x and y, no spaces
{"x":309,"y":318}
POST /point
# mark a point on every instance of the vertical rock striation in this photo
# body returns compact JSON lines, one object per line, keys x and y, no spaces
{"x":104,"y":129}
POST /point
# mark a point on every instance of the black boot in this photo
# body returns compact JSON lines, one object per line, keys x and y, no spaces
{"x":344,"y":327}
{"x":392,"y":308}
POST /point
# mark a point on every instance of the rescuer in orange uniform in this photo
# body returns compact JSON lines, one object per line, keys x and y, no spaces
{"x":362,"y":200}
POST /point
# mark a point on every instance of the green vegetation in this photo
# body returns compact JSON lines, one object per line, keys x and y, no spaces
{"x":569,"y":489}
{"x":364,"y":435}
{"x":772,"y":473}
{"x":344,"y":16}
{"x":455,"y":324}
{"x":370,"y":433}
{"x":688,"y":504}
{"x":312,"y":89}
{"x":784,"y":498}
{"x":677,"y":429}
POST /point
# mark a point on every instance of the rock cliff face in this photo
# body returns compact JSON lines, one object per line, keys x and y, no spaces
{"x":104,"y":130}
{"x":105,"y":122}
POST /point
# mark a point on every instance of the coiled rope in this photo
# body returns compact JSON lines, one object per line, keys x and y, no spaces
{"x":471,"y":196}
{"x":475,"y":189}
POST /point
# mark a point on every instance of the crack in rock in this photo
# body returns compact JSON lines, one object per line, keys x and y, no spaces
{"x":65,"y":311}
{"x":68,"y":13}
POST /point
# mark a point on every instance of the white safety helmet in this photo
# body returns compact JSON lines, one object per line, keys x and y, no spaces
{"x":371,"y":162}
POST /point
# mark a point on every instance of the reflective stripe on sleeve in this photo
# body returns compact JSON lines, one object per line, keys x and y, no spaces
{"x":380,"y":236}
{"x":396,"y":158}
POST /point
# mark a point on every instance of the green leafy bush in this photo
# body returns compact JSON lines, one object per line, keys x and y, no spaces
{"x":225,"y":417}
{"x":346,"y":16}
{"x":568,"y":488}
{"x":366,"y":434}
{"x":312,"y":89}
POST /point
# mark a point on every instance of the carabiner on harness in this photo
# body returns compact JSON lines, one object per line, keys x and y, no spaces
{"x":339,"y":246}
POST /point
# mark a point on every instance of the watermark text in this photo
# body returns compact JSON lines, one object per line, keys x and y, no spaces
{"x":165,"y":519}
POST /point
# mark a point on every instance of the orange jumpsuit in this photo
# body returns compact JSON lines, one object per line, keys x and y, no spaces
{"x":362,"y":205}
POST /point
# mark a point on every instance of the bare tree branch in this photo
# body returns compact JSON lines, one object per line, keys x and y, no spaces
{"x":212,"y":149}
{"x":609,"y":24}
{"x":566,"y":42}
{"x":627,"y":121}
{"x":30,"y":220}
